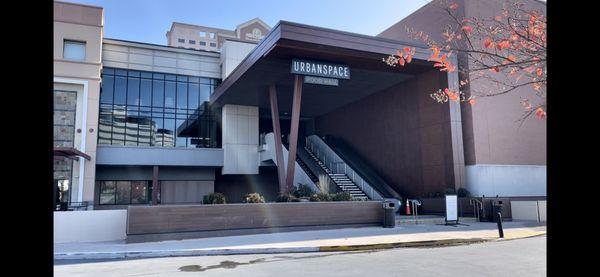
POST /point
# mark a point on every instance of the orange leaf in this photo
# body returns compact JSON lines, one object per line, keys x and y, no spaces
{"x":406,"y":50}
{"x":540,"y":113}
{"x":503,"y":44}
{"x":472,"y":101}
{"x":453,"y":6}
{"x":539,"y":72}
{"x":408,"y":58}
{"x":487,"y":43}
{"x":401,"y":61}
{"x":467,"y":29}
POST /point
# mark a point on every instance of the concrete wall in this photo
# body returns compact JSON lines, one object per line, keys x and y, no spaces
{"x":506,"y":180}
{"x":171,"y":156}
{"x":89,"y":226}
{"x":529,"y":210}
{"x":157,"y":58}
{"x":240,"y":139}
{"x":81,"y":23}
{"x":232,"y":54}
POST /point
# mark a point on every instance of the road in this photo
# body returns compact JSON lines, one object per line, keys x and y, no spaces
{"x":521,"y":257}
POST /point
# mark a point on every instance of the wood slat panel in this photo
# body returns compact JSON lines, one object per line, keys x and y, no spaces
{"x":196,"y":218}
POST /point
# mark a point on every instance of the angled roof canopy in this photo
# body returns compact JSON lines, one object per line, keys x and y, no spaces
{"x":270,"y":62}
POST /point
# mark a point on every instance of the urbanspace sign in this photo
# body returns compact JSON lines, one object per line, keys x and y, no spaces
{"x":326,"y":73}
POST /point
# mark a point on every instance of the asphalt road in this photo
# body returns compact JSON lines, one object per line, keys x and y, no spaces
{"x":521,"y":257}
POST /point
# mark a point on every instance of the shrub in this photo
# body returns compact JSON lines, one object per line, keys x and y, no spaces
{"x":303,"y":191}
{"x":285,"y":198}
{"x":320,"y":197}
{"x":463,"y":192}
{"x":254,"y":198}
{"x":341,"y":196}
{"x":214,"y":198}
{"x":449,"y":191}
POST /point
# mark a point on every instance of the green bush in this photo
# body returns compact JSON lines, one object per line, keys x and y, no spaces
{"x":254,"y":198}
{"x":214,"y":198}
{"x":341,"y":196}
{"x":449,"y":191}
{"x":320,"y":197}
{"x":303,"y":191}
{"x":463,"y":192}
{"x":285,"y":198}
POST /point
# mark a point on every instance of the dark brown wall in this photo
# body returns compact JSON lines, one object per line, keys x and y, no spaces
{"x":491,"y":133}
{"x":194,"y":218}
{"x":235,"y":187}
{"x":402,"y":133}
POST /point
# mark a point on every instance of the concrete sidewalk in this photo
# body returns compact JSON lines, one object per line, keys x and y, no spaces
{"x":304,"y":241}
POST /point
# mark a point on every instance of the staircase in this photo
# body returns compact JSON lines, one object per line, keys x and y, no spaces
{"x":340,"y":179}
{"x":304,"y":167}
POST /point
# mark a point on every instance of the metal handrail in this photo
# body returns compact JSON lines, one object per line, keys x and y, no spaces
{"x":415,"y":210}
{"x":329,"y":157}
{"x":477,"y":206}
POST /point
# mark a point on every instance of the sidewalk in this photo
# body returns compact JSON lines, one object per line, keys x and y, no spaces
{"x":304,"y":241}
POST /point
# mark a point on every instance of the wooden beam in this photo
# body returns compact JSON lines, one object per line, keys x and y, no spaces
{"x":295,"y":121}
{"x":155,"y":187}
{"x":277,"y":135}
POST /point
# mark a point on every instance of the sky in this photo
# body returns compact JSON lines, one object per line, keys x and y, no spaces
{"x":149,"y":20}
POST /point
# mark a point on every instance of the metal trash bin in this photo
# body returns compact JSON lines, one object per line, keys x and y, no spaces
{"x":389,"y":213}
{"x":496,"y":208}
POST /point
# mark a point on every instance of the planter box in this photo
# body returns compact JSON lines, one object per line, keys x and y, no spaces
{"x":153,"y":223}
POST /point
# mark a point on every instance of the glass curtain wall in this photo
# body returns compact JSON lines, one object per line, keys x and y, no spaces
{"x":139,"y":108}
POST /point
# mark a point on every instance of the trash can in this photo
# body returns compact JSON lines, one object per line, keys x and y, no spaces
{"x":496,"y":208}
{"x":389,"y":213}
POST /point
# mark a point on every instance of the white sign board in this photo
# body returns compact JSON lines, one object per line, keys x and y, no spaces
{"x":451,"y":207}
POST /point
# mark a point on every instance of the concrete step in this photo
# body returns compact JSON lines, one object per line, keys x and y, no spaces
{"x":429,"y":220}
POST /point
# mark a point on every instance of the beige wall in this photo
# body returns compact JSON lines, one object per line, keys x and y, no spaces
{"x":81,"y":23}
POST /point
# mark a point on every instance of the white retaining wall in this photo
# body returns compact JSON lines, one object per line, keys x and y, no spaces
{"x":89,"y":226}
{"x":506,"y":180}
{"x":528,"y":210}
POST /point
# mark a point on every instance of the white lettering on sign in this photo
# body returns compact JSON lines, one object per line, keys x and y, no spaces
{"x":337,"y":71}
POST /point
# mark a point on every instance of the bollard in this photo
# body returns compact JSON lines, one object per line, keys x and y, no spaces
{"x":500,"y":231}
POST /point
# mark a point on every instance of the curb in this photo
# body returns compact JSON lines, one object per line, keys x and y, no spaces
{"x":213,"y":252}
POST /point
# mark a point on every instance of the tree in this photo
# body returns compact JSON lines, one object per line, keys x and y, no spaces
{"x":508,"y":51}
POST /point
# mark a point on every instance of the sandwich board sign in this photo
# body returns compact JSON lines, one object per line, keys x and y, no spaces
{"x":451,"y":208}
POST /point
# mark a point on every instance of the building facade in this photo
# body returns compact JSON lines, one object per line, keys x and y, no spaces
{"x":145,"y":124}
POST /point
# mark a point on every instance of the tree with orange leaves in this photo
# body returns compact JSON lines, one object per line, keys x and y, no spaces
{"x":507,"y":50}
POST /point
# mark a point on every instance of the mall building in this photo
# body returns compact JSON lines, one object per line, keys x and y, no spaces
{"x":263,"y":108}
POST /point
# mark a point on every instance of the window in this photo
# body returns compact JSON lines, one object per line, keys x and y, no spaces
{"x":181,"y":40}
{"x":74,"y":50}
{"x":212,"y":35}
{"x":212,"y":44}
{"x":124,"y":192}
{"x":202,"y":34}
{"x":192,"y":41}
{"x":203,"y":43}
{"x":140,"y":108}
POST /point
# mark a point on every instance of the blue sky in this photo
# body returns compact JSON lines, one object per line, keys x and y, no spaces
{"x":149,"y":20}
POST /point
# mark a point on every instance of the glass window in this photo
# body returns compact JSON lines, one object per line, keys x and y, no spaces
{"x":204,"y":92}
{"x":181,"y":40}
{"x":123,"y":195}
{"x":193,"y":96}
{"x":146,"y":92}
{"x":192,"y":41}
{"x":133,"y":91}
{"x":107,"y":70}
{"x":106,"y":93}
{"x":203,"y":43}
{"x":120,"y":90}
{"x":74,"y":50}
{"x":157,"y":125}
{"x":107,"y":192}
{"x":181,"y":95}
{"x":168,"y":136}
{"x":169,"y":94}
{"x":139,"y":192}
{"x":181,"y":126}
{"x":158,"y":93}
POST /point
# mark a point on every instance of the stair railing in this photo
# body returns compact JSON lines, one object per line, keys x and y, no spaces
{"x":329,"y":157}
{"x":477,"y":207}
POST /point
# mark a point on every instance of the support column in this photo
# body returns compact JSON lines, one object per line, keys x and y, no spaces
{"x":295,"y":121}
{"x":155,"y":187}
{"x":277,"y":135}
